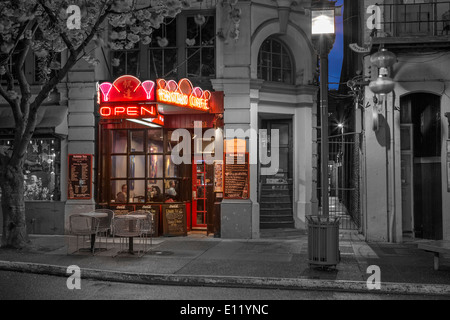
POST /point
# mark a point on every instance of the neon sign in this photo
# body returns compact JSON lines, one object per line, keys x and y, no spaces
{"x":182,"y":94}
{"x":129,"y":98}
{"x":120,"y":111}
{"x":126,"y":89}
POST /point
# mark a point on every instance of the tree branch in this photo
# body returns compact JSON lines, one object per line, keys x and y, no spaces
{"x":23,"y":83}
{"x":71,"y":61}
{"x":54,"y":19}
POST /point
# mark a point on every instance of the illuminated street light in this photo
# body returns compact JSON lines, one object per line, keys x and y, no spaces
{"x":323,"y":31}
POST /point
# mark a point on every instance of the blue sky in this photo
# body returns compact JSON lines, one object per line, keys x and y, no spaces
{"x":337,"y":53}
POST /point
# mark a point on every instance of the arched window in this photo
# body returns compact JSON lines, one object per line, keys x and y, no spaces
{"x":274,"y":62}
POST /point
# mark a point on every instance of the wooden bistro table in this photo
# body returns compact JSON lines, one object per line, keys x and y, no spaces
{"x":97,"y":215}
{"x":131,"y":217}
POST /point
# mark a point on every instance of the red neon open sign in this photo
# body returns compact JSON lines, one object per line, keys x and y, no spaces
{"x":128,"y":111}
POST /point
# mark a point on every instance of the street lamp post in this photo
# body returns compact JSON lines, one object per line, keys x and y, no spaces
{"x":323,"y":27}
{"x":323,"y":231}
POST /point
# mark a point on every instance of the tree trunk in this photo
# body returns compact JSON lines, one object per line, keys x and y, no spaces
{"x":13,"y":206}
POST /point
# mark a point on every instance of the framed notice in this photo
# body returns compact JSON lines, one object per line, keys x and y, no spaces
{"x":174,"y":220}
{"x":236,"y":177}
{"x":80,"y":176}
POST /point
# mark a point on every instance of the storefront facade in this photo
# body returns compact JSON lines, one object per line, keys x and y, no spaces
{"x":260,"y":71}
{"x":406,"y":133}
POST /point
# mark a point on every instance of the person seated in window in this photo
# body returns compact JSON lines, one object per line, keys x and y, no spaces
{"x":169,"y":198}
{"x":155,"y":193}
{"x":171,"y":191}
{"x":122,"y":196}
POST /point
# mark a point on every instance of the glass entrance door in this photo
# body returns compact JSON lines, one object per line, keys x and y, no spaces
{"x":199,"y":199}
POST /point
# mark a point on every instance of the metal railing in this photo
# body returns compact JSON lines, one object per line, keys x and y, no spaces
{"x":416,"y":19}
{"x":344,"y":174}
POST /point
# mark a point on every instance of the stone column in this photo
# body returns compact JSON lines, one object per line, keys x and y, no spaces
{"x":81,"y":127}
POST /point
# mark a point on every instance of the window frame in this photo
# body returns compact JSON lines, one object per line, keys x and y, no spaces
{"x":284,"y":52}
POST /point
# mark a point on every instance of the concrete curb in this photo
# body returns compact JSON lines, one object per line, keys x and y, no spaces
{"x":230,"y":281}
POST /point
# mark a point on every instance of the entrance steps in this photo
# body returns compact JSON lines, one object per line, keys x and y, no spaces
{"x":276,"y":203}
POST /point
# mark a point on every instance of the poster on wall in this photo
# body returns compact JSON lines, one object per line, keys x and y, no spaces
{"x":218,"y":176}
{"x":236,"y":176}
{"x":80,"y":176}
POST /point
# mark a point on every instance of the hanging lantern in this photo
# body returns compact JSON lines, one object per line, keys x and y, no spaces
{"x":383,"y":59}
{"x":383,"y":85}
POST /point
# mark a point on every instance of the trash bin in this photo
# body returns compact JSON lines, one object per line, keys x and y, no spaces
{"x":323,"y":240}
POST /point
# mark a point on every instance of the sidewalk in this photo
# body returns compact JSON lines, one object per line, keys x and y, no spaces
{"x":263,"y":263}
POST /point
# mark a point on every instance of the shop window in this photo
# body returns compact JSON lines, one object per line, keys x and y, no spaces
{"x":137,"y":141}
{"x":118,"y":166}
{"x":141,"y":174}
{"x":119,"y":191}
{"x":155,"y":141}
{"x":137,"y":191}
{"x":274,"y":62}
{"x":119,"y":141}
{"x":155,"y":169}
{"x":137,"y":167}
{"x":42,"y":169}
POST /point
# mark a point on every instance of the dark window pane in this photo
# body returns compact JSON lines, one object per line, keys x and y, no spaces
{"x":276,"y":75}
{"x":208,"y":32}
{"x":156,"y":64}
{"x":193,"y":30}
{"x":193,"y":65}
{"x":276,"y":61}
{"x":132,"y":63}
{"x":171,"y":32}
{"x":170,"y":63}
{"x":208,"y":62}
{"x":286,"y":62}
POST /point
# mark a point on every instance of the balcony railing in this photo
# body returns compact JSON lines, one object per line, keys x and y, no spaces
{"x":427,"y":18}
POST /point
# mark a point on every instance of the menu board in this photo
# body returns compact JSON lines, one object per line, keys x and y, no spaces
{"x":154,"y":210}
{"x":174,"y":220}
{"x":80,"y":176}
{"x":236,"y":176}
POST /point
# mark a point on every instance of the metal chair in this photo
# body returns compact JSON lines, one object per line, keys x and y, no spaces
{"x":83,"y":226}
{"x":148,"y":229}
{"x":126,"y":228}
{"x":105,"y":224}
